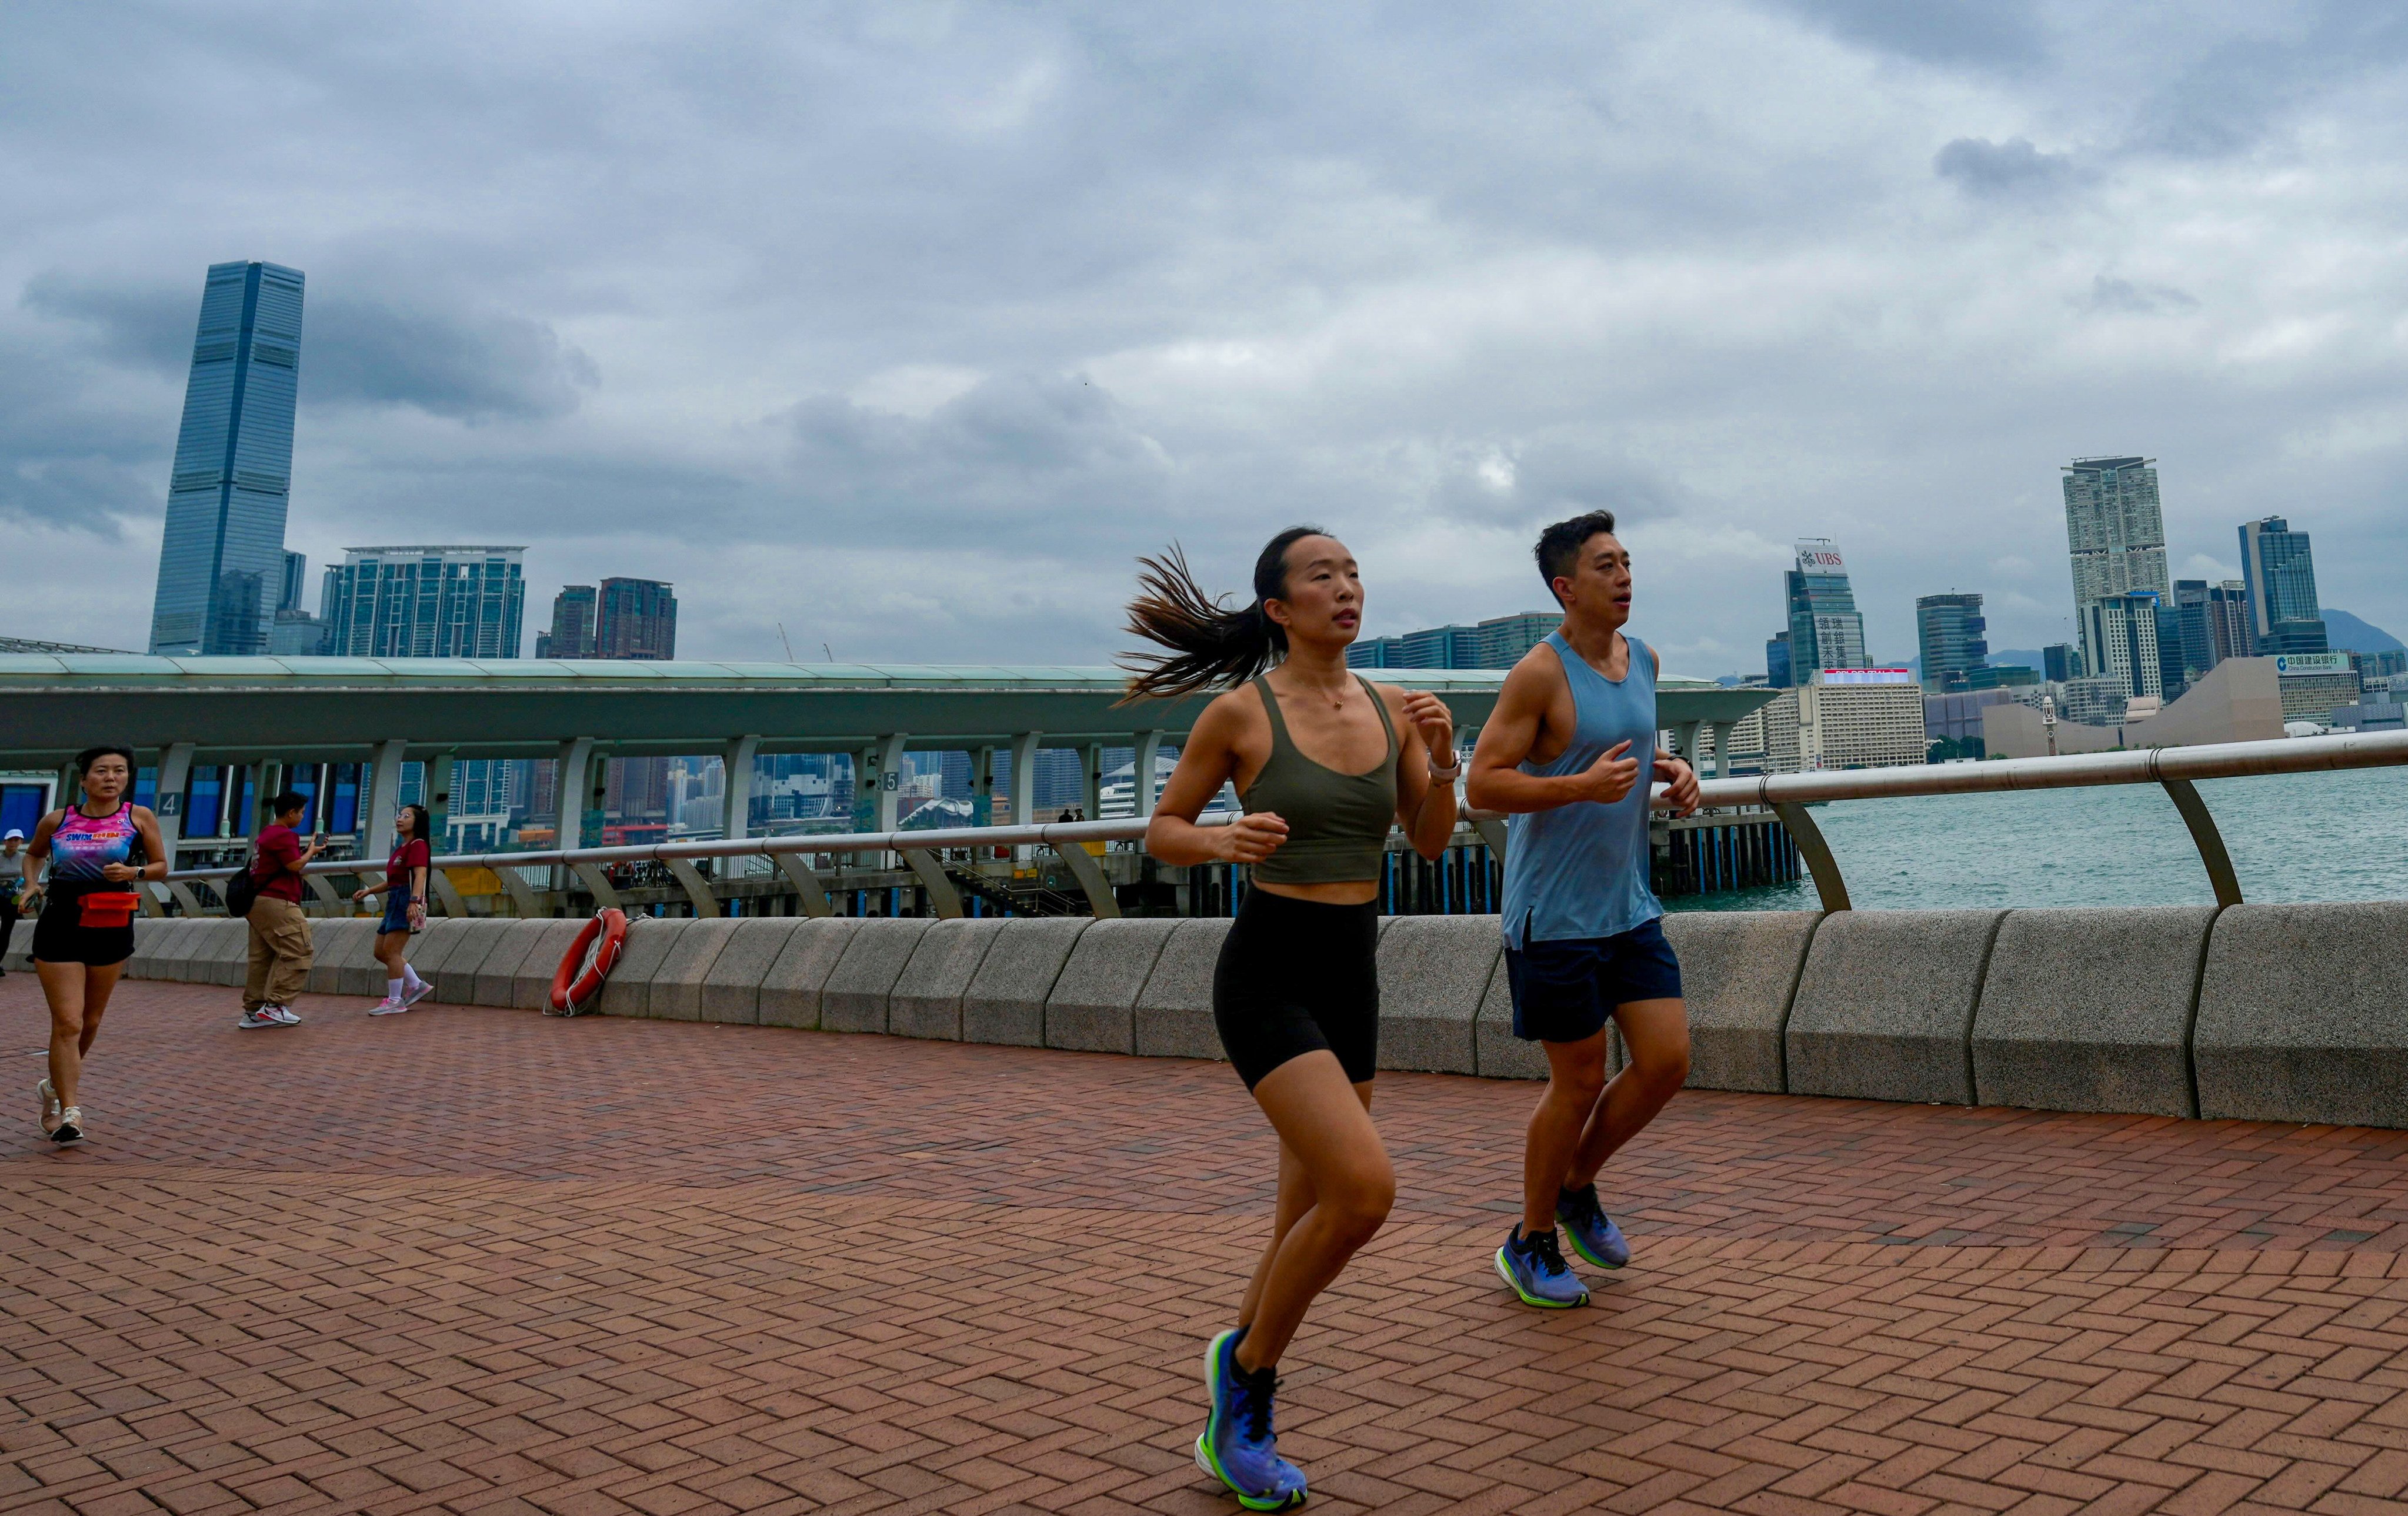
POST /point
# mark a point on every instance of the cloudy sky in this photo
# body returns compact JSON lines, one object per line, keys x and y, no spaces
{"x":908,"y":326}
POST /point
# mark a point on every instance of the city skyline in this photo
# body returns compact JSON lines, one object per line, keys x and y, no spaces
{"x":1892,"y":271}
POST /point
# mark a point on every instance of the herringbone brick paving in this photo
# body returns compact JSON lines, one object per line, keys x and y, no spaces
{"x":476,"y":1260}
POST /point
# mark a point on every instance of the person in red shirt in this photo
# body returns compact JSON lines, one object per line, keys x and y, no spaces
{"x":280,"y":947}
{"x":405,"y":910}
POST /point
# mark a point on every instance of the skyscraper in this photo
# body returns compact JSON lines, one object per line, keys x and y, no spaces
{"x":2214,"y":623}
{"x":1950,"y":628}
{"x":1776,"y":661}
{"x":2115,"y":534}
{"x":572,"y":624}
{"x":1826,"y":631}
{"x":296,"y":573}
{"x":425,"y":603}
{"x":2120,"y":631}
{"x":635,"y":619}
{"x":222,"y":552}
{"x":2280,"y":576}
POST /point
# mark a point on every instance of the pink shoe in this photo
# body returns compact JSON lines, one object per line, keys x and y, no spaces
{"x":387,"y":1008}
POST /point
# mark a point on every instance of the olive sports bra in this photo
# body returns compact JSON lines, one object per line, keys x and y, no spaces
{"x":1336,"y":823}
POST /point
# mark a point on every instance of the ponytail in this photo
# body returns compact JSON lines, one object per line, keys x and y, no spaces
{"x":1210,"y":645}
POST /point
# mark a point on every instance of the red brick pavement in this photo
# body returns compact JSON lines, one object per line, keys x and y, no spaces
{"x":477,"y":1260}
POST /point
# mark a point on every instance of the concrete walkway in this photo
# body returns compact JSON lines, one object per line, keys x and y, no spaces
{"x":477,"y":1260}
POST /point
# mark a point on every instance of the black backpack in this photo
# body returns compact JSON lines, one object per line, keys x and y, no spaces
{"x":242,"y":891}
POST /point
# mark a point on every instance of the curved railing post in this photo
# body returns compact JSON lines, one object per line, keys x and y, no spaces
{"x":943,"y":898}
{"x":1817,"y":853}
{"x":2204,"y":836}
{"x":697,"y":889}
{"x":807,"y":888}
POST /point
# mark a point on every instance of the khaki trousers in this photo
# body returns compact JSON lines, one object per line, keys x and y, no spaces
{"x":280,"y":953}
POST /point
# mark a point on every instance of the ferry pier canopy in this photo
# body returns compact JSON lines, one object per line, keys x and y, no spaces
{"x":178,"y":711}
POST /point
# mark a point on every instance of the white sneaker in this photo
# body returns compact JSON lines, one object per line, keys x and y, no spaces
{"x":387,"y":1008}
{"x":70,"y":1128}
{"x":285,"y":1015}
{"x":253,"y":1020}
{"x":51,"y":1107}
{"x":412,"y":997}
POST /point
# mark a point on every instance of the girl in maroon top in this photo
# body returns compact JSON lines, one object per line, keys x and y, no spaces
{"x":405,"y":912}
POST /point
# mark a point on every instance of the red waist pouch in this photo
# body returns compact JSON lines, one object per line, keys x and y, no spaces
{"x":109,"y":910}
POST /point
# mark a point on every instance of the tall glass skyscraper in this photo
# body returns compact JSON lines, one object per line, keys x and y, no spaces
{"x":222,"y":557}
{"x":1826,"y":629}
{"x":2116,"y":535}
{"x":635,"y":619}
{"x":1951,"y":630}
{"x":425,"y":603}
{"x":2281,"y":577}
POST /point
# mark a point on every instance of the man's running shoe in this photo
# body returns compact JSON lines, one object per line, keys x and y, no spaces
{"x":412,"y":997}
{"x":285,"y":1015}
{"x":387,"y":1008}
{"x":70,"y":1128}
{"x":1535,"y":1268}
{"x":51,"y":1107}
{"x":1238,"y":1446}
{"x":253,"y":1020}
{"x":1594,"y":1235}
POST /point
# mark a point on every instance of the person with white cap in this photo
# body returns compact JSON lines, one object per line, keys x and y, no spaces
{"x":12,"y":879}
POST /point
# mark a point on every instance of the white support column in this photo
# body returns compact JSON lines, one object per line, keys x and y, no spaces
{"x":1023,"y":777}
{"x":1093,"y":810}
{"x":167,"y":796}
{"x":70,"y":787}
{"x":736,"y":780}
{"x":271,"y":782}
{"x":384,"y":800}
{"x":1149,"y":751}
{"x":1684,"y":741}
{"x":890,"y":779}
{"x":569,"y":791}
{"x":441,"y":771}
{"x":1722,"y":748}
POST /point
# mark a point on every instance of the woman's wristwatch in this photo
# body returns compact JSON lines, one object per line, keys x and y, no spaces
{"x":1449,"y":771}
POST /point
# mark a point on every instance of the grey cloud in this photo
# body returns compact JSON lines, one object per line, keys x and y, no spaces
{"x":2238,"y":91}
{"x":2123,"y":296}
{"x":1997,"y":34}
{"x":472,"y":368}
{"x":1525,"y":484}
{"x":356,"y":349}
{"x":1018,"y":443}
{"x":1998,"y":170}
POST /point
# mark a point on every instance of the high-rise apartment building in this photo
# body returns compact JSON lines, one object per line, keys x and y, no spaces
{"x":1826,"y":631}
{"x":2120,"y":638}
{"x":2115,"y":534}
{"x":1860,"y":718}
{"x":572,"y":624}
{"x":1497,"y":642}
{"x":2280,"y":578}
{"x":222,"y":551}
{"x":2060,"y":662}
{"x":635,"y":619}
{"x":1951,"y":631}
{"x":435,"y":602}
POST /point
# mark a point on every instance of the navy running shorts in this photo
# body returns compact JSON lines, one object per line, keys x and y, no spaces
{"x":1564,"y":992}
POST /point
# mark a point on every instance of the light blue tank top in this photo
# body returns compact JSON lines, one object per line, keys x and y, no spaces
{"x":1580,"y":870}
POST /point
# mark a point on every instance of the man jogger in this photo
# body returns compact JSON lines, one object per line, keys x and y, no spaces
{"x":1570,"y":753}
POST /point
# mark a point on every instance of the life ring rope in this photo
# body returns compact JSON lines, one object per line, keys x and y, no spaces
{"x":578,"y":982}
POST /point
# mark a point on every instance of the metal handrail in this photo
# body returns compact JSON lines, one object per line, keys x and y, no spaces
{"x":1787,"y":794}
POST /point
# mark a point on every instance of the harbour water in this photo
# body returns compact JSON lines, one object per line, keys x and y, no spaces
{"x":2292,"y":837}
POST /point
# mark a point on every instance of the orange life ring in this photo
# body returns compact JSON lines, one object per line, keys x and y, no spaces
{"x":588,"y":961}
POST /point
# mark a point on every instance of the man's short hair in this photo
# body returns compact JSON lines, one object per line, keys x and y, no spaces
{"x":288,"y":802}
{"x":1559,"y":546}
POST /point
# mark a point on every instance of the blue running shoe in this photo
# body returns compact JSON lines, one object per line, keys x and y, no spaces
{"x":1238,"y":1446}
{"x":1594,"y":1235}
{"x":1537,"y":1272}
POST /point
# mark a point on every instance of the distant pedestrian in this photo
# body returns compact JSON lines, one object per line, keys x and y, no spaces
{"x":1569,"y":751}
{"x":280,"y":947}
{"x":12,"y":885}
{"x":99,"y":850}
{"x":405,"y":910}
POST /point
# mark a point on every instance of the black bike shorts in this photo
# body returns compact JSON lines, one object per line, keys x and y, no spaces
{"x":1298,"y":977}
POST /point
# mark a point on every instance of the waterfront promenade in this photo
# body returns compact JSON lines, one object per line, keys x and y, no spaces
{"x":472,"y":1259}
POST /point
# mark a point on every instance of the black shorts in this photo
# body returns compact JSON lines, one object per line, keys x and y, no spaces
{"x":1564,"y":992}
{"x":1296,"y":977}
{"x":58,"y":936}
